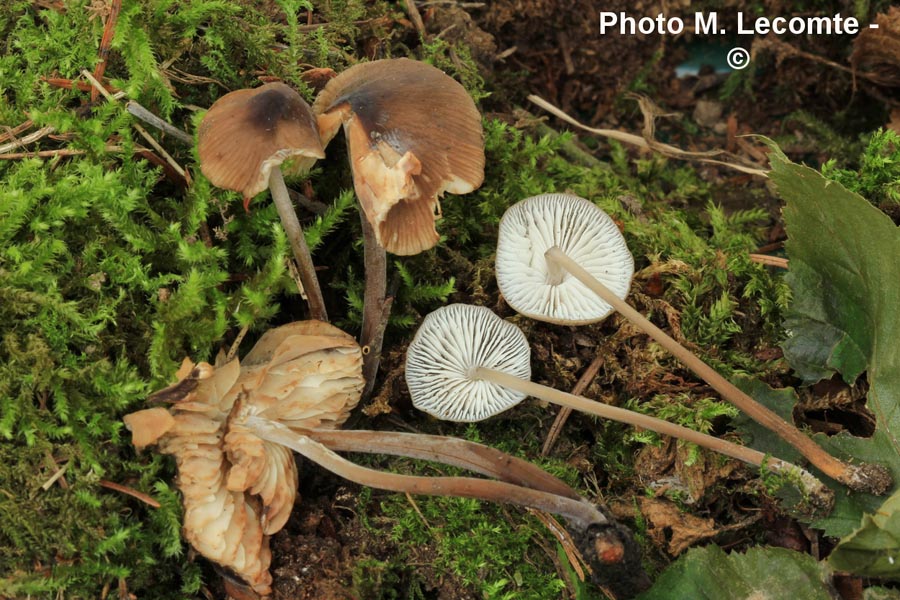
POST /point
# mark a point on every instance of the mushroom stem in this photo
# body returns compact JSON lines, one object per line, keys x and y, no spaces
{"x":298,"y":244}
{"x":375,"y":310}
{"x":580,"y":513}
{"x":447,"y":450}
{"x":869,"y":478}
{"x":820,"y":494}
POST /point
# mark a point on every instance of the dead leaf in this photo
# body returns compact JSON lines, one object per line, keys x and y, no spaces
{"x":667,"y":520}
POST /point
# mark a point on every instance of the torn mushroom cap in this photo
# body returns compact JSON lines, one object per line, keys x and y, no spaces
{"x":247,"y":133}
{"x":538,"y":289}
{"x":451,"y":342}
{"x":413,"y":133}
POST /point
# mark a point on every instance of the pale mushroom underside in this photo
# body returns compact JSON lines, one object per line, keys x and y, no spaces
{"x":238,"y":489}
{"x":581,"y":230}
{"x":451,"y":342}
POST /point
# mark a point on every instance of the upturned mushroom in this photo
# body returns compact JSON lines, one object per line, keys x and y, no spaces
{"x":413,"y":133}
{"x":466,"y":364}
{"x":237,"y":488}
{"x":561,"y":244}
{"x":229,"y":428}
{"x":244,"y":139}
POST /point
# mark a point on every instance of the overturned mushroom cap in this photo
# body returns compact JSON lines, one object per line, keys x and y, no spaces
{"x":237,"y":488}
{"x":539,"y":289}
{"x":451,"y":342}
{"x":246,"y":133}
{"x":413,"y":133}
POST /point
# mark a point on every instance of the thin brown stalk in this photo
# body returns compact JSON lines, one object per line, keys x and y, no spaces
{"x":291,"y":225}
{"x":376,"y":308}
{"x":446,"y":450}
{"x":870,"y":478}
{"x":580,"y":513}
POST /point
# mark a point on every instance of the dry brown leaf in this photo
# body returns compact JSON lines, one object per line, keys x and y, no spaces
{"x":683,"y":529}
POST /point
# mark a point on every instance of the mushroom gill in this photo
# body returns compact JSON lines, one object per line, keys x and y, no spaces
{"x":238,"y":489}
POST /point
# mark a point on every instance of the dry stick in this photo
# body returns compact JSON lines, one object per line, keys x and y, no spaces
{"x":771,"y":261}
{"x":870,"y":478}
{"x":108,"y":31}
{"x":130,"y":491}
{"x":579,"y":512}
{"x":145,"y":115}
{"x":636,"y":140}
{"x":564,"y":412}
{"x":375,"y":308}
{"x":55,"y":153}
{"x":150,"y":139}
{"x":294,"y":232}
{"x":447,"y":450}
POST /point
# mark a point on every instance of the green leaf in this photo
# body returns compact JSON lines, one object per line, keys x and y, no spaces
{"x":845,"y":281}
{"x":770,"y":573}
{"x":873,"y":550}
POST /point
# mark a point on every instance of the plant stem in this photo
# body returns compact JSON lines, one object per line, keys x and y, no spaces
{"x":375,"y":308}
{"x":447,"y":450}
{"x":869,"y":478}
{"x":810,"y":484}
{"x":298,"y":244}
{"x":580,"y":513}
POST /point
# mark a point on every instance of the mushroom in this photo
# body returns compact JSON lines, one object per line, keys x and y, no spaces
{"x":238,"y":489}
{"x":230,"y":427}
{"x":412,"y":134}
{"x":465,"y":364}
{"x":244,"y":139}
{"x":554,"y":241}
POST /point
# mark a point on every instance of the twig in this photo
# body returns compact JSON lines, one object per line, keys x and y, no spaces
{"x":148,"y":117}
{"x":565,"y":540}
{"x":583,"y":382}
{"x":53,"y":153}
{"x":109,"y":30}
{"x":12,"y":132}
{"x":31,"y":137}
{"x":647,"y":141}
{"x":232,"y":352}
{"x":415,"y":17}
{"x":130,"y":491}
{"x":55,"y":477}
{"x":150,"y":139}
{"x":771,"y":261}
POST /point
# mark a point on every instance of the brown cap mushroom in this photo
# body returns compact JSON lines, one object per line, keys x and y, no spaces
{"x":413,"y":133}
{"x":244,"y":138}
{"x":248,"y":132}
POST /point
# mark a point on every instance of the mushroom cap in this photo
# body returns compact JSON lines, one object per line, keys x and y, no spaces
{"x":246,"y":133}
{"x":581,"y":230}
{"x":450,"y":343}
{"x":413,"y":133}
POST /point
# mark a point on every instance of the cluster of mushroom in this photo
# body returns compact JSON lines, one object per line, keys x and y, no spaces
{"x":563,"y":260}
{"x":231,"y":428}
{"x":412,"y":134}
